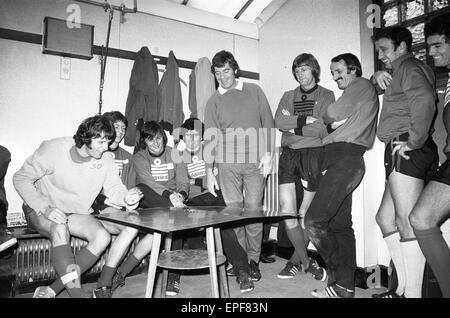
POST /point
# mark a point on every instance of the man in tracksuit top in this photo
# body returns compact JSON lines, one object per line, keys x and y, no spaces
{"x":164,"y":183}
{"x":351,"y":121}
{"x":301,"y":155}
{"x":58,"y":184}
{"x":433,"y":206}
{"x":406,"y":124}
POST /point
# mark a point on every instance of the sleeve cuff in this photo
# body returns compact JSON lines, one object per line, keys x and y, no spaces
{"x":301,"y":121}
{"x":166,"y":194}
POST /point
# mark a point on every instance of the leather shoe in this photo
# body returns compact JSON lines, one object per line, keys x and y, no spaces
{"x":266,"y":259}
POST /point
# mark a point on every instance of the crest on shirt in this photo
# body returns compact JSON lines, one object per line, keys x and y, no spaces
{"x":160,"y":171}
{"x":197,"y":168}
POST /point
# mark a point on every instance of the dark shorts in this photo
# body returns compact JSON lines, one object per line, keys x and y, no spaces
{"x":305,"y":162}
{"x":422,"y":164}
{"x":442,"y":175}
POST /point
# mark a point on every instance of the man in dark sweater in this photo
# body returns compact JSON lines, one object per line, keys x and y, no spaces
{"x":433,"y":206}
{"x":405,"y":126}
{"x":239,"y":124}
{"x":351,"y":124}
{"x":6,"y":239}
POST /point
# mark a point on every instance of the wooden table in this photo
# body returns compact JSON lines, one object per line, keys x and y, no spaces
{"x":169,"y":220}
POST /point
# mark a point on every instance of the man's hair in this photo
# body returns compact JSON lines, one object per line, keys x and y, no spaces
{"x":310,"y":60}
{"x":192,"y":124}
{"x":94,"y":127}
{"x":397,"y":34}
{"x":116,"y":116}
{"x":223,"y":57}
{"x":150,"y":130}
{"x":351,"y":61}
{"x":439,"y":25}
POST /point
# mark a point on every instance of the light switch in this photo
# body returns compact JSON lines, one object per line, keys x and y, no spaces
{"x":65,"y":68}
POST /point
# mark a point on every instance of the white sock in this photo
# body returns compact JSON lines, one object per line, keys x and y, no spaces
{"x":395,"y":250}
{"x":414,"y":265}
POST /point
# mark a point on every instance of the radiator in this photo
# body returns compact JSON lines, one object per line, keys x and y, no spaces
{"x":33,"y":259}
{"x":271,"y":199}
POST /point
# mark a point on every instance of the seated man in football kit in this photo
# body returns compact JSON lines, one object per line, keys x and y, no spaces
{"x":192,"y":133}
{"x":164,"y":183}
{"x":122,"y":158}
{"x":58,"y":184}
{"x":433,"y":206}
{"x":301,"y":155}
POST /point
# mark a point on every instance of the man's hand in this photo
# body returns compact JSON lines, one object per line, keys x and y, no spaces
{"x":401,"y":147}
{"x":133,"y":196}
{"x":266,"y":164}
{"x":55,"y":215}
{"x":383,"y":79}
{"x":337,"y":124}
{"x":310,"y":119}
{"x":211,"y":182}
{"x":177,"y":200}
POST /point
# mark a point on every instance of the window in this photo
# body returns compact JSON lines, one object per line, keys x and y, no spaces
{"x":413,"y":14}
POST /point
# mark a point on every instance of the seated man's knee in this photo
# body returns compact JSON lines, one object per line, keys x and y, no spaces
{"x":102,"y":238}
{"x":59,"y":233}
{"x":291,"y":223}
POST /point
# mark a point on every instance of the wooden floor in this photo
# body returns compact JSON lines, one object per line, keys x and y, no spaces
{"x":198,"y":285}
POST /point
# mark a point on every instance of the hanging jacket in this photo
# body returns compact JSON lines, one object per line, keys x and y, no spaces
{"x":143,"y":100}
{"x":171,"y":103}
{"x":204,"y":85}
{"x":192,"y":97}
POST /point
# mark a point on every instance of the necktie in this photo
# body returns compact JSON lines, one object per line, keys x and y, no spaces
{"x":447,"y":92}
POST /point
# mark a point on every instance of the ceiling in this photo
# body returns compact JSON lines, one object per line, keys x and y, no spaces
{"x":243,"y":17}
{"x":242,"y":10}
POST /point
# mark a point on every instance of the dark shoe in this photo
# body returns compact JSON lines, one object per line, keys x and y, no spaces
{"x":245,"y":282}
{"x":173,"y":284}
{"x":333,"y":291}
{"x":316,"y":271}
{"x":255,"y":273}
{"x":389,"y":294}
{"x":6,"y":239}
{"x":118,"y":281}
{"x":102,"y":292}
{"x":266,"y":259}
{"x":289,"y":271}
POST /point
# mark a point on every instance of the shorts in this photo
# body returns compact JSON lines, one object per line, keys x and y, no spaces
{"x":422,"y":163}
{"x":442,"y":175}
{"x":305,"y":162}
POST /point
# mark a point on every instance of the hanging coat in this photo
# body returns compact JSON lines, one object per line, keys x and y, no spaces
{"x":143,"y":100}
{"x":171,"y":103}
{"x":204,"y":85}
{"x":192,"y":98}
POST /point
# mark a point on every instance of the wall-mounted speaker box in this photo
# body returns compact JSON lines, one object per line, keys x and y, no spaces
{"x":67,"y":39}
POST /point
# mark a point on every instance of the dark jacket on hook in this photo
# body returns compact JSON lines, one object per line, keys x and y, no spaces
{"x":143,"y":100}
{"x":171,"y":103}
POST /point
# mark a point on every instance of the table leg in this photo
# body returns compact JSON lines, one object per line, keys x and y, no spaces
{"x":152,"y":266}
{"x":222,"y":270}
{"x":165,"y":272}
{"x":212,"y":261}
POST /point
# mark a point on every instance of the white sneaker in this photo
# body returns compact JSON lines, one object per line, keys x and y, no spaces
{"x":44,"y":292}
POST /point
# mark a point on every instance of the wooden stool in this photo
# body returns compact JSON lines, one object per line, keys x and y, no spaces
{"x":189,"y":259}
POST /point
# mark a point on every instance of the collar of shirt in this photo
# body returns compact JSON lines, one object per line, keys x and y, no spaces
{"x":76,"y":157}
{"x":239,"y":85}
{"x":398,"y":61}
